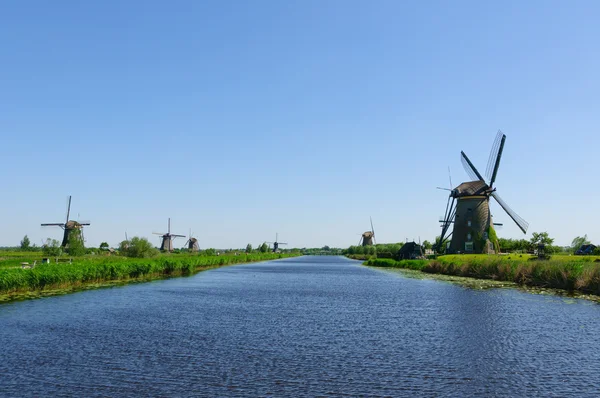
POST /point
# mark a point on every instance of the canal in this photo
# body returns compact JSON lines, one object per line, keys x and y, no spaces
{"x":308,"y":326}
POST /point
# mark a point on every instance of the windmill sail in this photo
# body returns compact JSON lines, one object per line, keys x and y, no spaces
{"x":497,"y":159}
{"x":489,"y":170}
{"x":521,"y":223}
{"x":469,"y":168}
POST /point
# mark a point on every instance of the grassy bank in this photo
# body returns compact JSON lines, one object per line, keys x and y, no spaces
{"x":362,"y":257}
{"x":571,"y":273}
{"x":82,"y":272}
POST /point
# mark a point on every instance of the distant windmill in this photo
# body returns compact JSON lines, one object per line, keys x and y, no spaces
{"x":192,"y":243}
{"x":468,"y":208}
{"x":167,"y":239}
{"x":70,"y":227}
{"x":368,"y":238}
{"x":276,"y":244}
{"x":125,"y":243}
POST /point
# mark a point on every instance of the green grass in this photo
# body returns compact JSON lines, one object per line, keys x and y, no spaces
{"x":100,"y":269}
{"x":571,"y":273}
{"x":416,"y":265}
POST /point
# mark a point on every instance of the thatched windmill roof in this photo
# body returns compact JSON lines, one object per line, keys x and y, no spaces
{"x":470,"y":188}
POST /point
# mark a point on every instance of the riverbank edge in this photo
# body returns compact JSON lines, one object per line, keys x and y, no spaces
{"x":569,"y":277}
{"x":79,"y":286}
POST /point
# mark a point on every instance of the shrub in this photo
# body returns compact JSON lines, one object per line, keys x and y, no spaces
{"x":138,"y":247}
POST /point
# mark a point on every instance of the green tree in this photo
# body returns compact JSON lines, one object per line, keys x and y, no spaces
{"x":263,"y":248}
{"x":210,"y":252}
{"x":579,"y":241}
{"x":427,"y":245}
{"x":439,"y":247}
{"x":104,"y":246}
{"x":137,"y":247}
{"x":25,"y":243}
{"x":542,"y":238}
{"x":52,"y":248}
{"x":248,"y":248}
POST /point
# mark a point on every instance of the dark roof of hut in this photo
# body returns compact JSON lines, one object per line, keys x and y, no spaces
{"x":409,"y":247}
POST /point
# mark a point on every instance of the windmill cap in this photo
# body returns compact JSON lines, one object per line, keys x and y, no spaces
{"x":72,"y":224}
{"x":470,"y":188}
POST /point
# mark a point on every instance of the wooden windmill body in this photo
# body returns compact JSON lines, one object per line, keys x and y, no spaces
{"x":192,"y":243}
{"x":72,"y":229}
{"x":166,"y":244}
{"x":468,"y":209}
{"x":368,"y":237}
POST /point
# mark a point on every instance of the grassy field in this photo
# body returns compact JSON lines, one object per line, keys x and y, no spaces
{"x":99,"y":270}
{"x":571,"y":273}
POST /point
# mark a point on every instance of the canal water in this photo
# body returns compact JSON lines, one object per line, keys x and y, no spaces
{"x":308,"y":326}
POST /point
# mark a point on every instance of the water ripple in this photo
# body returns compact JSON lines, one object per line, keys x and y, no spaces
{"x":311,"y":326}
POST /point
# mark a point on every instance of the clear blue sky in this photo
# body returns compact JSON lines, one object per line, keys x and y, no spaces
{"x":239,"y":119}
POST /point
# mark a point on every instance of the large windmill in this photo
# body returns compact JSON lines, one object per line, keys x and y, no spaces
{"x":276,"y":243}
{"x":71,"y":227}
{"x":468,"y":208}
{"x":167,"y":239}
{"x":192,"y":243}
{"x":368,"y":238}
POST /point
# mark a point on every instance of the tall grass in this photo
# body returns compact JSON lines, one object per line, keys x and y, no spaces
{"x":417,"y":265}
{"x":571,"y":273}
{"x":96,"y":270}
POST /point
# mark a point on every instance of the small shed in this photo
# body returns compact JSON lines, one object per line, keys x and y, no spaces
{"x":586,"y":250}
{"x":410,"y":251}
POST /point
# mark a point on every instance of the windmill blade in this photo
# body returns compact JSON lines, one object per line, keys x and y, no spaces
{"x":497,"y":161}
{"x":444,"y":189}
{"x":450,"y":178}
{"x":58,"y":224}
{"x":372,"y":229}
{"x":469,"y":168}
{"x":177,"y":236}
{"x":448,"y":220}
{"x":158,"y":233}
{"x":493,"y":155}
{"x":68,"y":208}
{"x":282,"y":243}
{"x":86,"y":222}
{"x":521,"y":223}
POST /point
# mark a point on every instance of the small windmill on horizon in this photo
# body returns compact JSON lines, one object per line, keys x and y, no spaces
{"x":192,"y":243}
{"x":70,"y":227}
{"x":368,"y":238}
{"x":276,"y":243}
{"x":167,"y":239}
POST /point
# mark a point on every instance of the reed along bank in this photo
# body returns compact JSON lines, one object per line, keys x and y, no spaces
{"x":89,"y":272}
{"x":570,"y":273}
